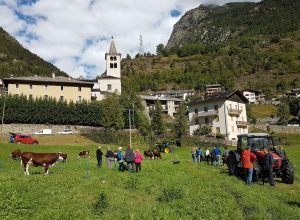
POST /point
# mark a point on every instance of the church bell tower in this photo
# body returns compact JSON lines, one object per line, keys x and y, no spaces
{"x":113,"y":61}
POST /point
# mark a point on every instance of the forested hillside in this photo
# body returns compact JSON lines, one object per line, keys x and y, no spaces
{"x":261,"y":59}
{"x":18,"y":61}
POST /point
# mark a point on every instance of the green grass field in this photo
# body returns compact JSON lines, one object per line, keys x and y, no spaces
{"x":161,"y":191}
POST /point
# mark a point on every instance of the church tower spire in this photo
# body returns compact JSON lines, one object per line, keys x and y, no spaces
{"x":113,"y":61}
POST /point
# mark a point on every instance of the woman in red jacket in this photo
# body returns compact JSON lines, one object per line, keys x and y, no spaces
{"x":138,"y":160}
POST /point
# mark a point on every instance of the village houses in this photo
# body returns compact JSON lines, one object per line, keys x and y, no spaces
{"x":224,"y":112}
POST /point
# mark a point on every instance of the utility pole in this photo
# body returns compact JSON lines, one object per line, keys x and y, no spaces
{"x":133,"y":116}
{"x":141,"y":44}
{"x":129,"y":129}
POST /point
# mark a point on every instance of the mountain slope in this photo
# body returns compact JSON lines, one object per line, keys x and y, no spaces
{"x":216,"y":24}
{"x":18,"y":61}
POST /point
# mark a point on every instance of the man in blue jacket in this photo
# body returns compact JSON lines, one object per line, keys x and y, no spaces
{"x":217,"y":153}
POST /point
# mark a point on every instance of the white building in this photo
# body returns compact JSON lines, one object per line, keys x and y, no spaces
{"x":253,"y":96}
{"x":179,"y":94}
{"x":225,"y":112}
{"x":170,"y":106}
{"x":110,"y":81}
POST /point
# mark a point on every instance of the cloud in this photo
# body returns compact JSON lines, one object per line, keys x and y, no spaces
{"x":75,"y":34}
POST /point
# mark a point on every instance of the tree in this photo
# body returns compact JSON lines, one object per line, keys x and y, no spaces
{"x":160,"y":49}
{"x":283,"y":113}
{"x":294,"y":106}
{"x":157,"y":124}
{"x":112,"y":113}
{"x":181,"y":123}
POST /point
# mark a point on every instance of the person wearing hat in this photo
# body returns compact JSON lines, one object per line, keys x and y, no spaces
{"x":109,"y":157}
{"x":99,"y":155}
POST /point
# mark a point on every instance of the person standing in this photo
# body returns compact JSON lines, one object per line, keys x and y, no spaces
{"x":109,"y":157}
{"x":225,"y":155}
{"x":194,"y":154}
{"x":99,"y":155}
{"x":138,"y":161}
{"x":212,"y":156}
{"x":129,"y":159}
{"x":207,"y":155}
{"x":199,"y":154}
{"x":268,"y":166}
{"x":247,"y":159}
{"x":217,"y":153}
{"x":120,"y":159}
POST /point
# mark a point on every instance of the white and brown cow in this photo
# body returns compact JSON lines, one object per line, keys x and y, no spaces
{"x":39,"y":159}
{"x":84,"y":153}
{"x":16,"y":154}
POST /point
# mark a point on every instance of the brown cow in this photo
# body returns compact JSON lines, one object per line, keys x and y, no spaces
{"x":16,"y":154}
{"x":39,"y":159}
{"x":148,"y":153}
{"x":156,"y":154}
{"x":84,"y":153}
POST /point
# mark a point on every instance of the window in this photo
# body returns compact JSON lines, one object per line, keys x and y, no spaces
{"x":115,"y":58}
{"x":46,"y":96}
{"x":241,"y":107}
{"x":46,"y":87}
{"x":196,"y":111}
{"x":115,"y":65}
{"x":236,"y":107}
{"x":111,"y":65}
{"x":196,"y":121}
{"x":206,"y":120}
{"x":17,"y":86}
{"x":108,"y":87}
{"x":217,"y":119}
{"x":30,"y":86}
{"x":217,"y":129}
{"x":61,"y":98}
{"x":230,"y":106}
{"x":79,"y":99}
{"x":62,"y":88}
{"x":216,"y":107}
{"x":79,"y":89}
{"x":111,"y":58}
{"x":205,"y":109}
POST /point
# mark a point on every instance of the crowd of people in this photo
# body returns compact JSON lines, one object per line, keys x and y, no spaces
{"x":128,"y":160}
{"x":212,"y":156}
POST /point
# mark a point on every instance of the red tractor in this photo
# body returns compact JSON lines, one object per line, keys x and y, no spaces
{"x":282,"y":167}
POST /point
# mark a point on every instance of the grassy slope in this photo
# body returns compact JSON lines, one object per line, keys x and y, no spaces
{"x":204,"y":191}
{"x":263,"y":111}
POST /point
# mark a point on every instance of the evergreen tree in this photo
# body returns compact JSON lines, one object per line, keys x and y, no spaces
{"x":157,"y":124}
{"x":181,"y":123}
{"x":283,"y":113}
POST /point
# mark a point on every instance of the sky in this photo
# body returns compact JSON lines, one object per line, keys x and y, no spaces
{"x":74,"y":35}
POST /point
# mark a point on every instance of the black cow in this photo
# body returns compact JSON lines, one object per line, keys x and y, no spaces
{"x":148,"y":153}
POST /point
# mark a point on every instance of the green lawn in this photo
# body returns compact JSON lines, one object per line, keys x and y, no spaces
{"x":161,"y":191}
{"x":263,"y":111}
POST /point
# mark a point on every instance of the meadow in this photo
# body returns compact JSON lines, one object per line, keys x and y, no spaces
{"x":163,"y":190}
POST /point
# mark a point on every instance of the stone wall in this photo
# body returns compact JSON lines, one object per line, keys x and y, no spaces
{"x":32,"y":128}
{"x":278,"y":128}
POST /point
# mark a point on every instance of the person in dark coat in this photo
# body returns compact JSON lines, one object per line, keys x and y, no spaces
{"x":129,"y":159}
{"x":99,"y":155}
{"x":268,"y":166}
{"x":109,"y":157}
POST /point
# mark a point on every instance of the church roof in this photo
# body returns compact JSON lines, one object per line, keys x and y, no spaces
{"x":112,"y":49}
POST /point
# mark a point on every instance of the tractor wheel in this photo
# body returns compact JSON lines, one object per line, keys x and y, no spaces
{"x":167,"y":150}
{"x":231,"y":163}
{"x":288,"y":173}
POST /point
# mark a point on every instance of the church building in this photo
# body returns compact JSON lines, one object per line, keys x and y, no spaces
{"x":110,"y":81}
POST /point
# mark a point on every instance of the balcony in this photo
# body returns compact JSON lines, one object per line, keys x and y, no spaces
{"x":206,"y":114}
{"x":242,"y":124}
{"x":234,"y":112}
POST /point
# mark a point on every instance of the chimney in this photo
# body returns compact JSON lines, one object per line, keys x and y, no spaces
{"x":53,"y":75}
{"x":11,"y":75}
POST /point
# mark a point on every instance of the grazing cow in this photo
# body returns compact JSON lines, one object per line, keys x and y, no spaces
{"x":148,"y":153}
{"x":156,"y":154}
{"x":39,"y":159}
{"x":84,"y":153}
{"x":16,"y":154}
{"x":64,"y":156}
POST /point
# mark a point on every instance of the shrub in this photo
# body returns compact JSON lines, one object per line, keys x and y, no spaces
{"x":101,"y":203}
{"x":203,"y":131}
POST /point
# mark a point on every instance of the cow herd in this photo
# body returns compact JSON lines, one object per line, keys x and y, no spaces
{"x":48,"y":160}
